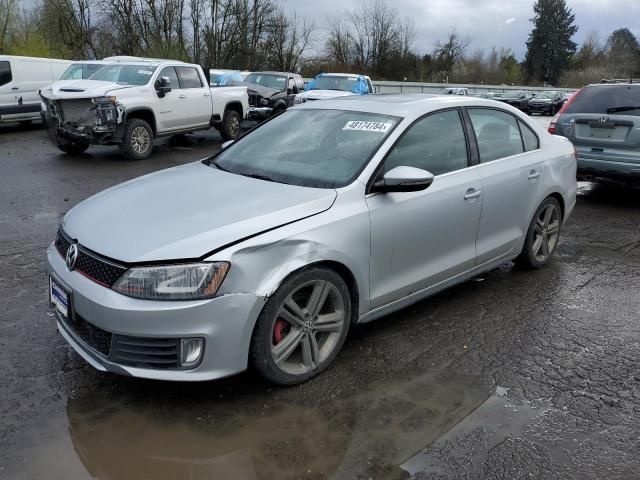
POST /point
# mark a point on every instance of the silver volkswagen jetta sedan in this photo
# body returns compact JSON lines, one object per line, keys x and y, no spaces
{"x":333,"y":213}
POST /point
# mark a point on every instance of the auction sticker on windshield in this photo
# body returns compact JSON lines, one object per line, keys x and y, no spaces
{"x":382,"y":127}
{"x":59,"y":298}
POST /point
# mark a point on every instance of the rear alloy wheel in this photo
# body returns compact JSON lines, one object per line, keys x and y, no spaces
{"x":543,"y":235}
{"x":137,"y":143}
{"x":302,"y":327}
{"x":231,"y":124}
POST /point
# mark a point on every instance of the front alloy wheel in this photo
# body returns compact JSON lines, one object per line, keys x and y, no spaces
{"x":302,"y":327}
{"x":543,"y":234}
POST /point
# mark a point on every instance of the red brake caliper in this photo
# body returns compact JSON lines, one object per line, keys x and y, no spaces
{"x":278,"y":331}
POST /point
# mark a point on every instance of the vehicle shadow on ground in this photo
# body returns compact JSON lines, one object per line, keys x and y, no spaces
{"x":611,"y":194}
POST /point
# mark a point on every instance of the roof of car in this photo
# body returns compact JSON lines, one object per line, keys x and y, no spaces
{"x":276,"y":73}
{"x":332,"y":74}
{"x":400,"y":104}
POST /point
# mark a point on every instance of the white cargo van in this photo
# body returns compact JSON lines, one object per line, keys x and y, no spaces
{"x":20,"y":80}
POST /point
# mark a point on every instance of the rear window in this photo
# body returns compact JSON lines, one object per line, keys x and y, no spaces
{"x":189,"y":77}
{"x":5,"y":73}
{"x":607,"y":99}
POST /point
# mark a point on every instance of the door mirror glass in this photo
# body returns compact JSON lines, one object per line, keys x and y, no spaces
{"x":404,"y":179}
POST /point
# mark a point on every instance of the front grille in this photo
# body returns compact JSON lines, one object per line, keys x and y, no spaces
{"x":76,"y":111}
{"x":96,"y":338}
{"x":145,"y":352}
{"x":253,"y":100}
{"x":89,"y":264}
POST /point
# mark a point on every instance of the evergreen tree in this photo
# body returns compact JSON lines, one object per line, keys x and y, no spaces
{"x":549,"y":47}
{"x":624,"y":53}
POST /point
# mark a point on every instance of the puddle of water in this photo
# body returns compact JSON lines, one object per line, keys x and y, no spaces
{"x":368,"y":434}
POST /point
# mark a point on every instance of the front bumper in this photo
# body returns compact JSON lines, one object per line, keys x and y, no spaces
{"x":260,"y":113}
{"x":539,"y":108}
{"x":225,"y":323}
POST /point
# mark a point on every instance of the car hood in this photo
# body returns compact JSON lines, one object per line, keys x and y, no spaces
{"x":324,"y":94}
{"x":541,"y":100}
{"x":186,"y":212}
{"x":81,"y":89}
{"x":264,"y":92}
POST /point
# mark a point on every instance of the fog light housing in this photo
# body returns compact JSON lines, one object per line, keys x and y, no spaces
{"x":191,"y":350}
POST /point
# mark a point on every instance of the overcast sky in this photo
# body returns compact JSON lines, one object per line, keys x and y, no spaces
{"x":487,"y":22}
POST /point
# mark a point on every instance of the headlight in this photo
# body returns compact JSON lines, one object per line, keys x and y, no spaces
{"x":104,"y":99}
{"x":297,"y":100}
{"x":264,"y":102}
{"x":192,"y":281}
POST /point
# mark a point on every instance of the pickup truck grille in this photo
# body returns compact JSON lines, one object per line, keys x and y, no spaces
{"x":77,"y":111}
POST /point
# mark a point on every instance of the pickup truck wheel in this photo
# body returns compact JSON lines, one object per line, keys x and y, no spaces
{"x":72,"y":148}
{"x":137,"y":142}
{"x":231,"y":124}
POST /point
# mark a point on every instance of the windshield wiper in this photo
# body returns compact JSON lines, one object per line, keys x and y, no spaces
{"x":258,"y":176}
{"x":622,"y":109}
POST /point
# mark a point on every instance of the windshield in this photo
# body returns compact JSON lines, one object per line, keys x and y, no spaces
{"x":328,"y":82}
{"x":547,"y":95}
{"x":279,"y":82}
{"x":311,"y":148}
{"x":605,"y":99}
{"x":125,"y":74}
{"x":80,"y":71}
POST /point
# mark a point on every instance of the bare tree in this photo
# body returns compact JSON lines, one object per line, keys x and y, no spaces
{"x":451,"y":52}
{"x":287,"y":41}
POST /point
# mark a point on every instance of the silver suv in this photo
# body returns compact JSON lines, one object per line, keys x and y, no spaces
{"x":603,"y":122}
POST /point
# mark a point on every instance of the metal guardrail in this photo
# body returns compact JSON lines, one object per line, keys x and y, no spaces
{"x":384,"y":86}
{"x":474,"y":89}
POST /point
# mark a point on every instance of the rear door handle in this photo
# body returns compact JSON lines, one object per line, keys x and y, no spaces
{"x":205,"y":94}
{"x":473,"y":193}
{"x":533,"y":175}
{"x":182,"y":96}
{"x":14,"y":88}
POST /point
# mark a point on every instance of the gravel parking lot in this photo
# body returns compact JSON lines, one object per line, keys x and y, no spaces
{"x":517,"y":374}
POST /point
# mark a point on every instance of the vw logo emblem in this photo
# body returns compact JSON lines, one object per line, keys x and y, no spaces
{"x":604,"y":119}
{"x":72,"y":256}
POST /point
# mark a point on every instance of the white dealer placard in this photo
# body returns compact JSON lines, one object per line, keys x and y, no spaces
{"x":359,"y":125}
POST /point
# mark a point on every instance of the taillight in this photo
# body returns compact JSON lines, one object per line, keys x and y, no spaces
{"x":575,"y":152}
{"x":553,"y":125}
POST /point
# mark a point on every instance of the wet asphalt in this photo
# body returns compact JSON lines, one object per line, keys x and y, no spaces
{"x":517,"y":374}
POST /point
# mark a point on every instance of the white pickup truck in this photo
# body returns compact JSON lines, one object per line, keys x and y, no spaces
{"x":130,"y":103}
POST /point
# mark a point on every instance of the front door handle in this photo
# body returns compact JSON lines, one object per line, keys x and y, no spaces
{"x":14,"y":88}
{"x":533,"y":175}
{"x":205,"y":94}
{"x":182,"y":96}
{"x":473,"y":193}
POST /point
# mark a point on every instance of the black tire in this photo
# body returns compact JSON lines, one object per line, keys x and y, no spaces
{"x":137,"y":142}
{"x":231,"y":125}
{"x":262,"y":341}
{"x":529,"y":257}
{"x":72,"y":148}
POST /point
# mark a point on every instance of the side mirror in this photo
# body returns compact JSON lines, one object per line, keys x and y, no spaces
{"x":404,"y":179}
{"x":295,"y":90}
{"x":164,"y":86}
{"x":227,"y":144}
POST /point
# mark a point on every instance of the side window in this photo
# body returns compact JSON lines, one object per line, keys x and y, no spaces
{"x":170,"y":73}
{"x":529,"y":138}
{"x":436,"y":144}
{"x":497,"y":133}
{"x":189,"y":77}
{"x":5,"y":73}
{"x":370,"y":86}
{"x":300,"y":83}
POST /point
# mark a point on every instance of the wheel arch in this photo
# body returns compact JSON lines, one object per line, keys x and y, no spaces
{"x":341,"y":269}
{"x":145,"y":114}
{"x":235,"y":106}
